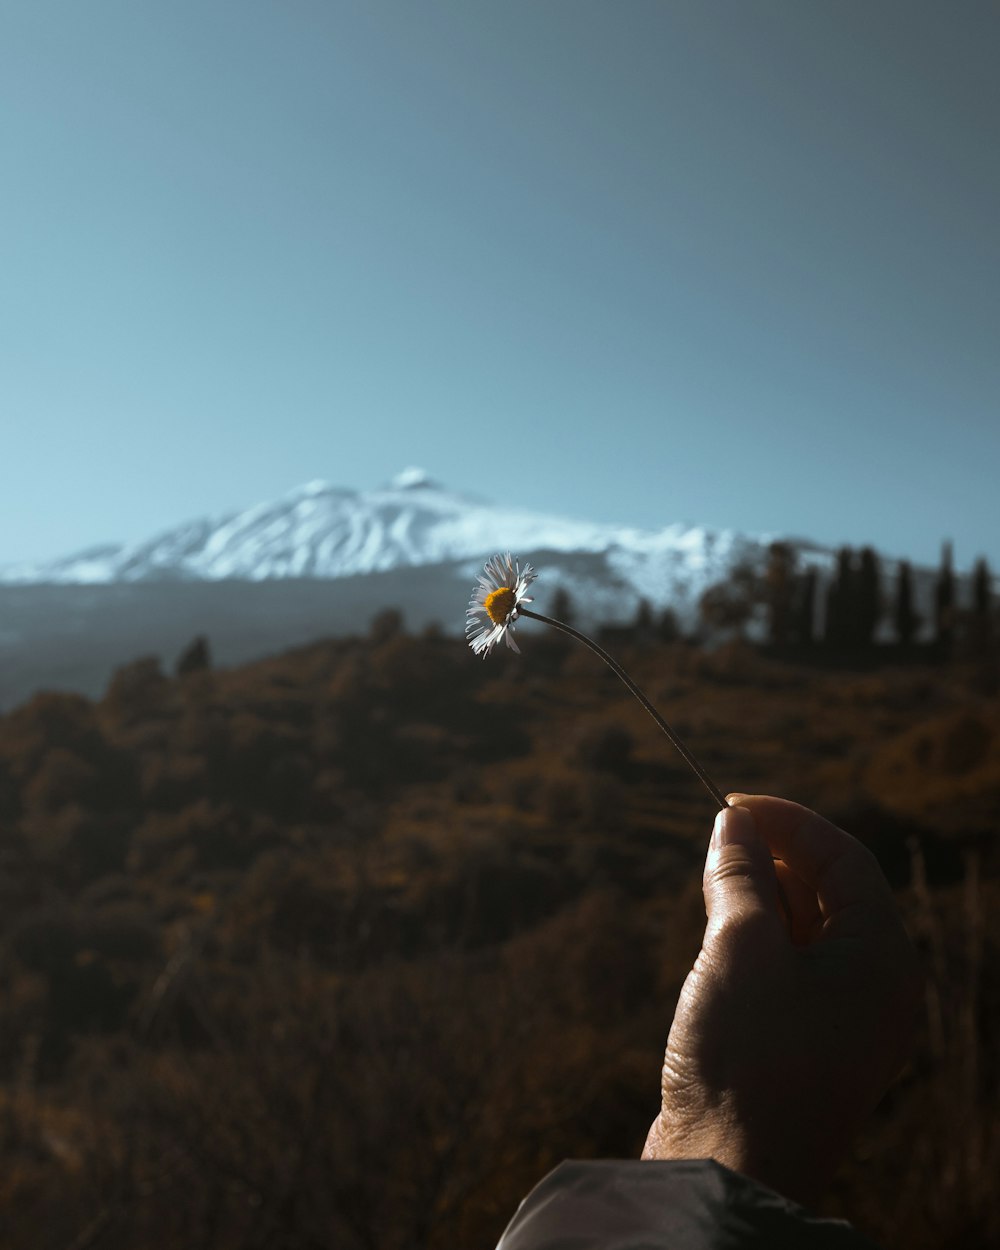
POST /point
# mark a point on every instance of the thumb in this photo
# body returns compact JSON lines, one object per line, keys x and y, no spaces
{"x":739,"y":873}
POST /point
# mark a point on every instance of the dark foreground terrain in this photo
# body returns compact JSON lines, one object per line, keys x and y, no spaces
{"x":347,"y":948}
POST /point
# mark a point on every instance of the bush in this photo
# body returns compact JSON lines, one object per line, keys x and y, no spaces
{"x":606,"y":748}
{"x":49,"y":722}
{"x":61,"y":778}
{"x":137,"y":691}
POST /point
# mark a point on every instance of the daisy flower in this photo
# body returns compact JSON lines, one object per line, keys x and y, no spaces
{"x":495,"y":603}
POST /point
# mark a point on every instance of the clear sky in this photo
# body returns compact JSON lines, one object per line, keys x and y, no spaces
{"x":736,"y":263}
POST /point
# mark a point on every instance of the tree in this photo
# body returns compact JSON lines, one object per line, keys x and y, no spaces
{"x":668,"y":628}
{"x":730,"y":604}
{"x":195,"y":658}
{"x":779,"y":592}
{"x":804,"y":612}
{"x":137,"y":691}
{"x":644,"y":620}
{"x":386,"y":625}
{"x":839,"y":600}
{"x":904,"y":616}
{"x":562,"y":606}
{"x":981,"y":625}
{"x":982,"y":592}
{"x":944,"y":600}
{"x":868,"y":599}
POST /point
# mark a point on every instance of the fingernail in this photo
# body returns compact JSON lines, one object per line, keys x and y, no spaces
{"x":733,"y":825}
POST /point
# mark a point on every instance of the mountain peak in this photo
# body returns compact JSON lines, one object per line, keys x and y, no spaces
{"x":318,"y":486}
{"x":412,"y":478}
{"x":323,"y":531}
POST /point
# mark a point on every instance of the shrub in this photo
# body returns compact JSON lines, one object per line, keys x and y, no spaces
{"x":606,"y":748}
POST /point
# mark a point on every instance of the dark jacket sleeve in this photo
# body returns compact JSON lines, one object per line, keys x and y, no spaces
{"x":691,"y":1204}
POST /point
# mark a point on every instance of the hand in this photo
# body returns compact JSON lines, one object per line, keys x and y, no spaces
{"x":800,"y":1008}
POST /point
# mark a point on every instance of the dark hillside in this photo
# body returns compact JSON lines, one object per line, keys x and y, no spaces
{"x":348,"y":947}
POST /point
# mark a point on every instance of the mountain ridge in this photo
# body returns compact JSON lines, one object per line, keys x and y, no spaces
{"x":319,"y":530}
{"x":321,"y":561}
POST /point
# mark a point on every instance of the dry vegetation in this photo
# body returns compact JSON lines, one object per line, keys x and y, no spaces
{"x":349,"y":947}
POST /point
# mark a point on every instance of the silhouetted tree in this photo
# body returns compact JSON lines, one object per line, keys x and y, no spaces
{"x":944,"y":600}
{"x":867,"y":606}
{"x":385,"y":625}
{"x":137,"y":691}
{"x":905,"y":618}
{"x":730,"y":604}
{"x":668,"y":627}
{"x":981,"y":624}
{"x":839,"y":601}
{"x":644,"y":620}
{"x":562,"y":606}
{"x":804,"y":611}
{"x":779,"y":591}
{"x":982,"y":592}
{"x":195,"y":658}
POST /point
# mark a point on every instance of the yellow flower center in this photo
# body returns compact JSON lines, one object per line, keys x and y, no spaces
{"x":499,"y":604}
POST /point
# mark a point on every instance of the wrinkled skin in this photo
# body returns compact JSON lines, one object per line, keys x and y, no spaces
{"x":800,"y":1008}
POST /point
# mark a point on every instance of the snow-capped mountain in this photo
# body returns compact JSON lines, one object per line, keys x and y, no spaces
{"x":324,"y":531}
{"x":323,"y":560}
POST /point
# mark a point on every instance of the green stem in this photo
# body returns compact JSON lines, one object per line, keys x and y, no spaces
{"x":617,"y":669}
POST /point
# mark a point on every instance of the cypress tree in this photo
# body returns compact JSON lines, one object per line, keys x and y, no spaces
{"x":982,"y":607}
{"x":779,"y":589}
{"x":644,"y":619}
{"x":840,"y":601}
{"x":982,"y":592}
{"x":868,"y":599}
{"x":944,"y":600}
{"x":668,"y":627}
{"x":195,"y":658}
{"x":562,"y":606}
{"x":805,"y":608}
{"x":905,"y":618}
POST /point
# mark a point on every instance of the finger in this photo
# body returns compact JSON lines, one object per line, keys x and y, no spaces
{"x":801,"y":905}
{"x":838,"y":868}
{"x":739,"y":872}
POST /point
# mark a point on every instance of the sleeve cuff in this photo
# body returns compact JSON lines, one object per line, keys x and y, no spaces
{"x":687,"y":1204}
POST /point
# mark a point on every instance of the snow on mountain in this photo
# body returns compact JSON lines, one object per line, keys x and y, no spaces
{"x":324,"y":531}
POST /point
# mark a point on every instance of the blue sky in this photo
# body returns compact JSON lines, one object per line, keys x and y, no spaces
{"x":735,"y":263}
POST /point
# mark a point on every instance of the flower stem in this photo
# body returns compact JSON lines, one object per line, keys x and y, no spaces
{"x":617,"y":669}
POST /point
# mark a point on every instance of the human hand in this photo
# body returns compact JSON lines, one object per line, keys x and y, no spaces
{"x":800,"y":1007}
